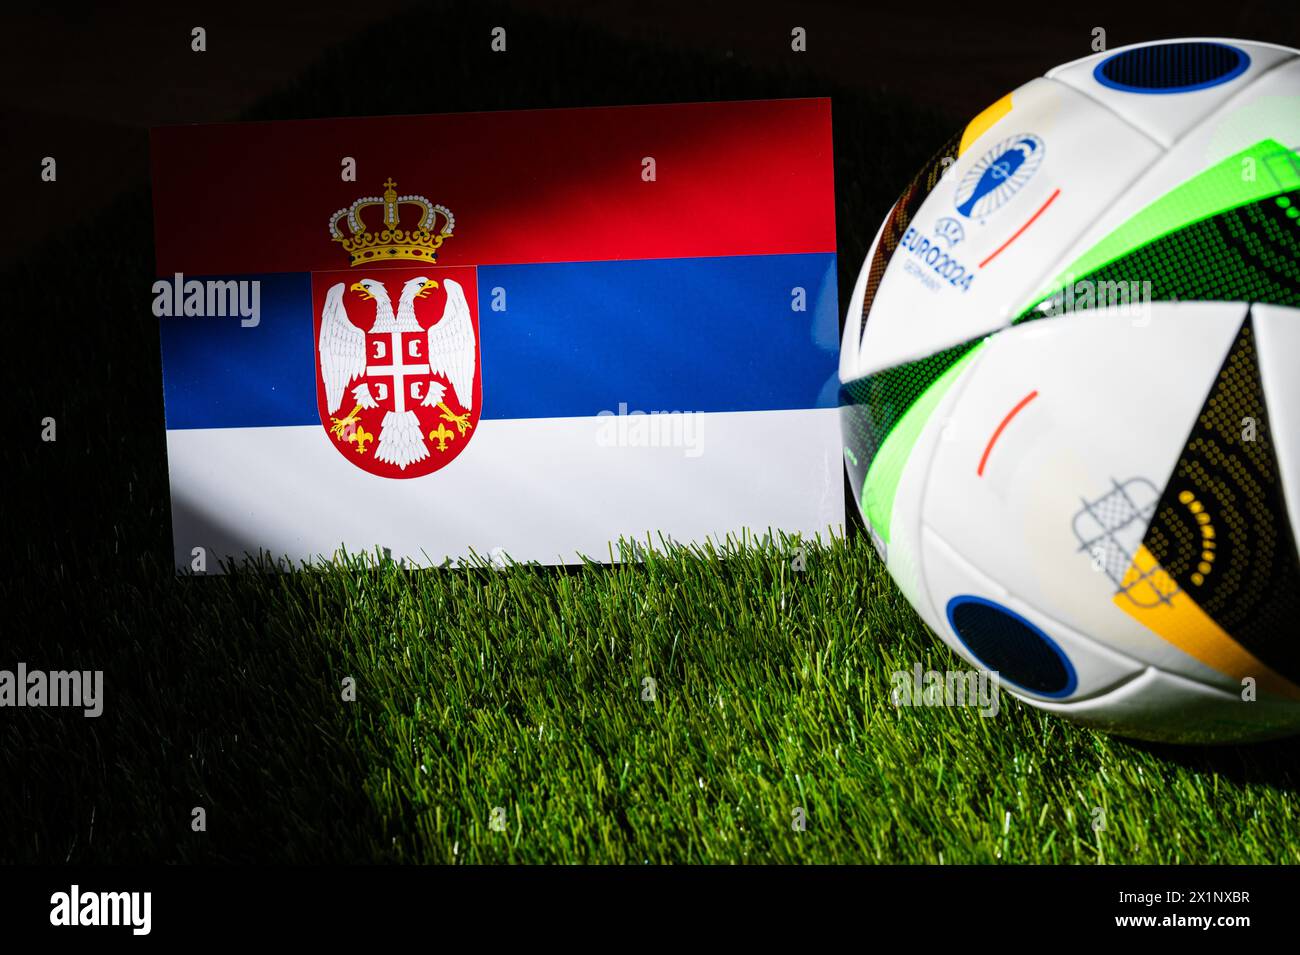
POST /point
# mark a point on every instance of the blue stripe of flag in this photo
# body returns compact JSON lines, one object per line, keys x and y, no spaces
{"x":573,"y":339}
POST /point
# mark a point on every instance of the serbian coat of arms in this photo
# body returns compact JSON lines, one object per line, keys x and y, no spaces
{"x":398,"y":379}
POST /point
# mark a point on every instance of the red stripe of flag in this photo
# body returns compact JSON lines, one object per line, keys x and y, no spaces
{"x":558,"y":185}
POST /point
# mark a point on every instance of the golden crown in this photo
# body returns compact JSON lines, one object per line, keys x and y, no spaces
{"x":392,"y":242}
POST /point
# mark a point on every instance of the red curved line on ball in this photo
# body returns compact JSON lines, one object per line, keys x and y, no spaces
{"x":998,"y":433}
{"x":1041,"y":209}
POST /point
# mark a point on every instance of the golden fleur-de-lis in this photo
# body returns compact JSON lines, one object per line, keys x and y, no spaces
{"x":360,"y":437}
{"x":442,"y":436}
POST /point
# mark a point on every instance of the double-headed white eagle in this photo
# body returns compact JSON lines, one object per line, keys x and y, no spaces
{"x":450,"y":353}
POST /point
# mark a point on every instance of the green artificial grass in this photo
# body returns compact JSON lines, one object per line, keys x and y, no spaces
{"x":523,"y":690}
{"x":518,"y":688}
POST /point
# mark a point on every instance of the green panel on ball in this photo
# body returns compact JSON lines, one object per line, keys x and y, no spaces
{"x":883,"y":416}
{"x":1263,"y":171}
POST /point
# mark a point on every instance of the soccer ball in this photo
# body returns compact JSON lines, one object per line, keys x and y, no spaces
{"x":1070,"y":391}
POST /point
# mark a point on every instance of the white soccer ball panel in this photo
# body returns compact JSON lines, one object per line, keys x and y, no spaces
{"x":1093,"y":668}
{"x":1166,"y":116}
{"x":998,"y":225}
{"x":1114,"y":396}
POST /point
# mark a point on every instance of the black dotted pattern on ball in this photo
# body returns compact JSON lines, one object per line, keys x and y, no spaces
{"x":1247,"y":254}
{"x":1250,"y":582}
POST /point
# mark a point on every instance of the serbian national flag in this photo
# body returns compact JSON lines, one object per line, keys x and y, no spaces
{"x":524,"y":334}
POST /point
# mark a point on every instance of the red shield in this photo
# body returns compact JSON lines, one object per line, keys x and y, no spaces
{"x":398,"y":376}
